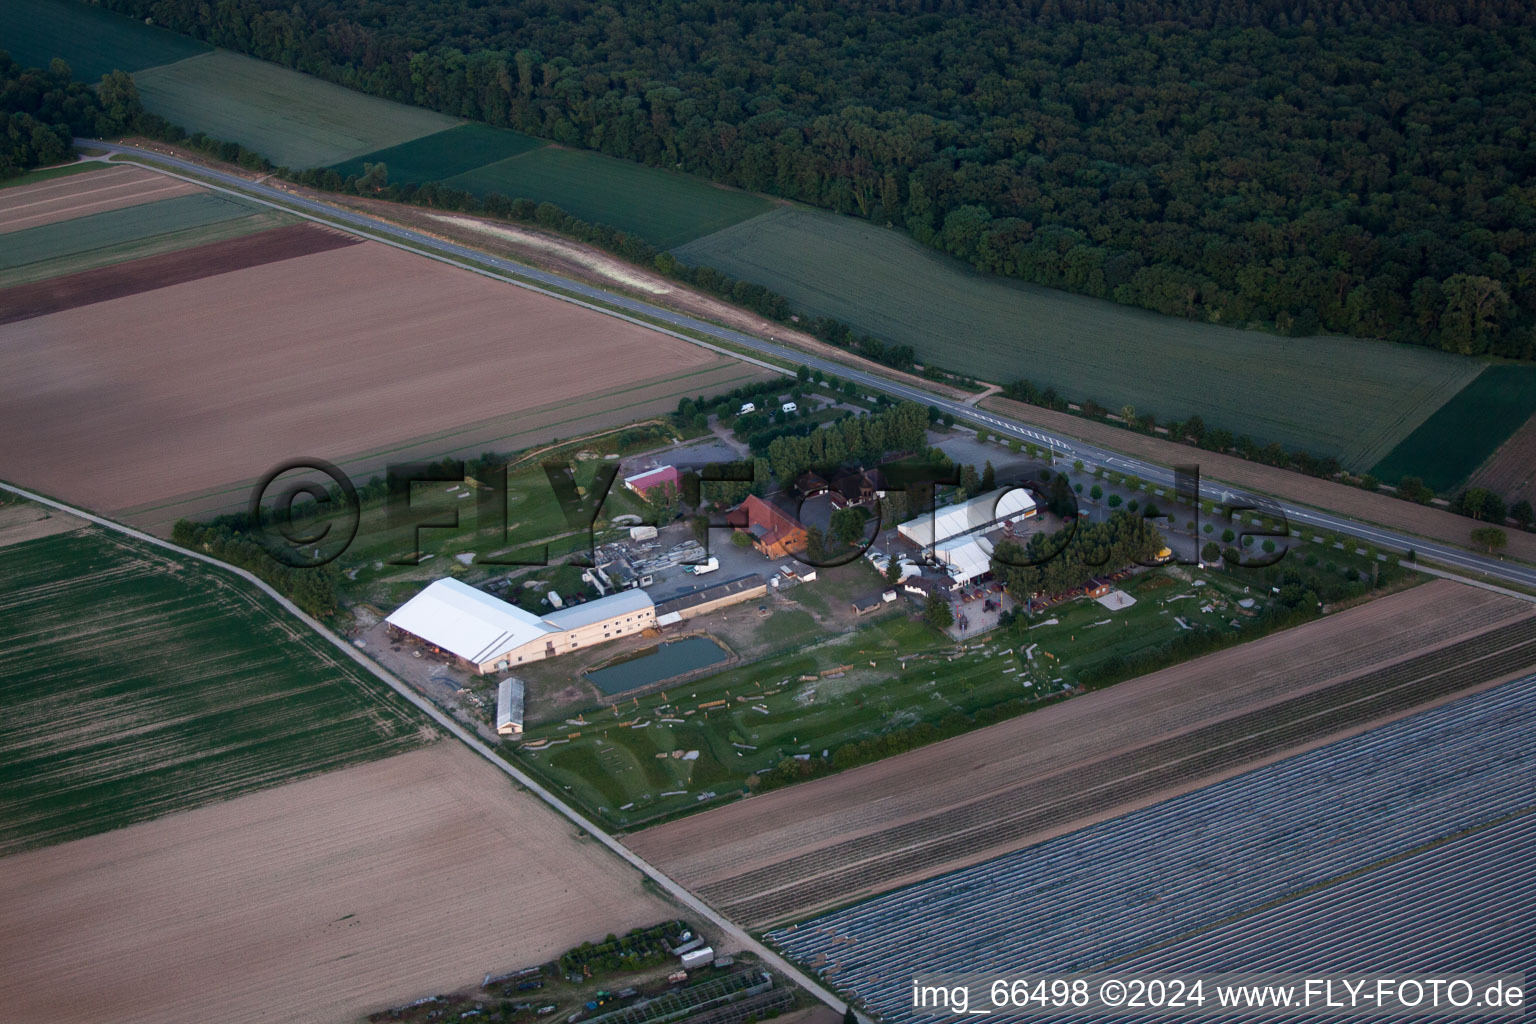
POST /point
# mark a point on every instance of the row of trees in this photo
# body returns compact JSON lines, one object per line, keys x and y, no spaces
{"x":312,"y":589}
{"x":901,"y":427}
{"x":1291,"y":164}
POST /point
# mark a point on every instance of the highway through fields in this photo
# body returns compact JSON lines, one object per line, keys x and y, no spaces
{"x":649,"y":314}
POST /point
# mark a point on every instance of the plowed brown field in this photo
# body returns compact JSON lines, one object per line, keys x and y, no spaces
{"x":317,"y":901}
{"x":1325,"y":494}
{"x":56,"y":294}
{"x":1511,"y":471}
{"x":790,"y":852}
{"x":348,"y":355}
{"x":111,"y":188}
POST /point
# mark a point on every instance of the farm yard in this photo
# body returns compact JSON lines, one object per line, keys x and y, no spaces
{"x":137,"y":683}
{"x":374,"y":355}
{"x":783,"y":855}
{"x":1356,"y":502}
{"x":321,"y":900}
{"x":1465,"y":432}
{"x":1338,"y":396}
{"x":632,"y":761}
{"x":1103,"y":894}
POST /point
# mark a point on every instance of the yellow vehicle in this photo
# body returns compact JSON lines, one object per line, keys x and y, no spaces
{"x":1164,"y":555}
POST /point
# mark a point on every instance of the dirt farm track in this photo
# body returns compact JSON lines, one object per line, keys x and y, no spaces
{"x":317,"y":901}
{"x":787,"y":854}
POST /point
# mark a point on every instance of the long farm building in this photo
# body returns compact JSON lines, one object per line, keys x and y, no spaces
{"x":488,"y":635}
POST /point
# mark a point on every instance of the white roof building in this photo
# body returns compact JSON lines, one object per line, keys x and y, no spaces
{"x":467,"y":622}
{"x":967,"y":557}
{"x":1004,"y":505}
{"x":491,"y":634}
{"x":578,"y":615}
{"x":509,"y":707}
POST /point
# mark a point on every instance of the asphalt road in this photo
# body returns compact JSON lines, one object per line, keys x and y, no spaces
{"x":521,"y":274}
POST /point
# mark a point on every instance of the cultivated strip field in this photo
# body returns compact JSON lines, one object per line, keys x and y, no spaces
{"x":1346,"y":397}
{"x":26,"y":301}
{"x":1511,"y":471}
{"x":76,"y":235}
{"x":317,"y":901}
{"x":1464,"y":433}
{"x":1111,"y":890}
{"x":359,"y":355}
{"x":96,"y":191}
{"x":787,"y":853}
{"x":1464,"y":905}
{"x":293,"y":119}
{"x":1326,"y":494}
{"x":137,"y":683}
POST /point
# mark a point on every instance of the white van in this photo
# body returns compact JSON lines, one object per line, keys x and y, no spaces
{"x":789,"y":407}
{"x":746,"y":407}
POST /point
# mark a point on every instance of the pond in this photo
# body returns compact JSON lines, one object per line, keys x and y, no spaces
{"x":657,"y":663}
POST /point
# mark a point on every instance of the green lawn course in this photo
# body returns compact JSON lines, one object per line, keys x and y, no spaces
{"x":1347,"y":397}
{"x":663,"y":207}
{"x":137,"y":683}
{"x":613,"y":761}
{"x":293,"y":119}
{"x":1450,"y":445}
{"x":93,"y":41}
{"x":67,"y":239}
{"x":445,"y":154}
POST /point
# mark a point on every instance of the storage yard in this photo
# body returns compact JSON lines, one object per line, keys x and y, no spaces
{"x":316,"y":901}
{"x":1113,"y":890}
{"x":166,"y":387}
{"x":782,"y":855}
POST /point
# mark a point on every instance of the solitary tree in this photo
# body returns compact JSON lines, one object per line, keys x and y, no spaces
{"x":1096,"y":492}
{"x":1490,"y":538}
{"x":937,"y":612}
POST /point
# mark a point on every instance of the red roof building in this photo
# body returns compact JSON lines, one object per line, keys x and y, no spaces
{"x":774,"y":532}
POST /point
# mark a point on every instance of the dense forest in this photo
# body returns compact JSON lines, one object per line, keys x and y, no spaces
{"x":42,"y":109}
{"x":1298,"y":164}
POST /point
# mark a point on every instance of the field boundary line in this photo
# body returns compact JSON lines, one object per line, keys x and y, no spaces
{"x":456,"y":730}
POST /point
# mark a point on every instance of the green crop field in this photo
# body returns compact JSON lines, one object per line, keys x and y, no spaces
{"x":663,"y":207}
{"x":1451,"y":444}
{"x":136,"y":683}
{"x":150,"y":245}
{"x":118,"y":234}
{"x":1346,"y":397}
{"x":441,"y":156}
{"x":48,"y":173}
{"x":613,"y":769}
{"x":293,"y":119}
{"x":93,"y":41}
